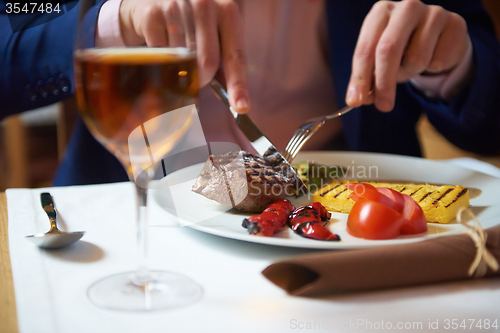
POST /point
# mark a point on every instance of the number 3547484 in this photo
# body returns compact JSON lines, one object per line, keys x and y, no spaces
{"x":31,"y":8}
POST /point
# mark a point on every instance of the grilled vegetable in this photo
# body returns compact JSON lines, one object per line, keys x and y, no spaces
{"x":307,"y":222}
{"x":439,"y":203}
{"x":271,"y":220}
{"x":315,"y":176}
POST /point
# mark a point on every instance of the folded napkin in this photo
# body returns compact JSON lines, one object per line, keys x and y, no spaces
{"x":440,"y":259}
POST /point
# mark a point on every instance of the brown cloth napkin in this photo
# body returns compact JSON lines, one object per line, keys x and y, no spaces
{"x":440,"y":259}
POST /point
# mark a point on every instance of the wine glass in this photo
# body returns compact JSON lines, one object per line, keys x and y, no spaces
{"x":138,"y":102}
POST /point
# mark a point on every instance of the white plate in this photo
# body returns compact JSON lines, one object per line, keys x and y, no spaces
{"x":173,"y":194}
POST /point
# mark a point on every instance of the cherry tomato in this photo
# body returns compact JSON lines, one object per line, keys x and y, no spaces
{"x":362,"y":190}
{"x":372,"y":220}
{"x":383,"y":213}
{"x":414,"y":215}
{"x":370,"y":192}
{"x":395,"y":196}
{"x":360,"y":187}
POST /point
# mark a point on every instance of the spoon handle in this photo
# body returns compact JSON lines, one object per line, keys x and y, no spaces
{"x":48,"y":207}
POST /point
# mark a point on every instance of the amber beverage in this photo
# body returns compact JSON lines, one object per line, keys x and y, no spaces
{"x":139,"y":102}
{"x":121,"y":90}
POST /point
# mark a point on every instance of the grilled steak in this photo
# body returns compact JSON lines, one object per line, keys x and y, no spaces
{"x":246,"y":182}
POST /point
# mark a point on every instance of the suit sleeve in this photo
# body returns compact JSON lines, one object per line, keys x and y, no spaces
{"x":36,"y":63}
{"x":472,"y":120}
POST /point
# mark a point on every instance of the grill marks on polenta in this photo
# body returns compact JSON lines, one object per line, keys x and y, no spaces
{"x":439,"y":195}
{"x":336,"y":195}
{"x":331,"y":189}
{"x":459,"y":195}
{"x":442,"y":196}
{"x":424,"y":196}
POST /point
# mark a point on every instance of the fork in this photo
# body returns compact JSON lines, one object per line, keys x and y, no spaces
{"x":305,"y":131}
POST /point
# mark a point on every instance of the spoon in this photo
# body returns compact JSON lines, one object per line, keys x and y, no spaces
{"x":54,"y":238}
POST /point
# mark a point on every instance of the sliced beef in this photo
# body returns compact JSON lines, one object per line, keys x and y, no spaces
{"x":245,"y":181}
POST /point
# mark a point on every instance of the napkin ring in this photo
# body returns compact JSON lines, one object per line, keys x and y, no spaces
{"x":484,"y":258}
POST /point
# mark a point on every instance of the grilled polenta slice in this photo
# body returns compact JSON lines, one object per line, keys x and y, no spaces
{"x":439,"y":203}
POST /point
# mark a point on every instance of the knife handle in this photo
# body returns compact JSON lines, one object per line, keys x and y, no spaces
{"x":220,"y":91}
{"x":242,"y":120}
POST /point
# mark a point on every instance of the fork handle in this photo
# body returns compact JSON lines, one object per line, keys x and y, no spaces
{"x":339,"y":113}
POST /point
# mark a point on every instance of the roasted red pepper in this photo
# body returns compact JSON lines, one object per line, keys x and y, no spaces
{"x":271,"y":220}
{"x":306,"y":222}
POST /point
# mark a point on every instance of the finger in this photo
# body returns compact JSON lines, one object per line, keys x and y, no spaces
{"x":131,"y":23}
{"x":389,"y":53}
{"x":363,"y":62}
{"x":175,"y":28}
{"x":370,"y":99}
{"x":233,"y":55}
{"x":153,"y":27}
{"x":207,"y":39}
{"x":420,"y":49}
{"x":451,"y":46}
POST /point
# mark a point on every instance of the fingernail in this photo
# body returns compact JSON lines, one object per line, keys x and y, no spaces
{"x":384,"y":105}
{"x":352,"y":95}
{"x":242,"y":104}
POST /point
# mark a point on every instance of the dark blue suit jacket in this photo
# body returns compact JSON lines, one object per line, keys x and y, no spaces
{"x":37,"y":62}
{"x":36,"y":69}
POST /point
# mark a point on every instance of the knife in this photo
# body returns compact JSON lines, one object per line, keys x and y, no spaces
{"x":258,"y":140}
{"x":262,"y":145}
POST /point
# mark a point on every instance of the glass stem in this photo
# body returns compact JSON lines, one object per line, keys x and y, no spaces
{"x":143,"y":275}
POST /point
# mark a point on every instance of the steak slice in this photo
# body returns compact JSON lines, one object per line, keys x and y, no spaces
{"x":245,"y":181}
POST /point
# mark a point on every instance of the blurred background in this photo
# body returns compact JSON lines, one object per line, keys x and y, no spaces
{"x":33,"y":143}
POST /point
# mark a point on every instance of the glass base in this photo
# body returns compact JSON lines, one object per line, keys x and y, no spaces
{"x":166,"y":290}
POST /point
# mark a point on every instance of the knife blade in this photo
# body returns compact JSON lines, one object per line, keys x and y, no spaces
{"x":258,"y":140}
{"x":262,"y":145}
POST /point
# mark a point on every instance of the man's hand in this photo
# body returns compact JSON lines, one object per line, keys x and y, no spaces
{"x":219,"y":36}
{"x":398,"y":41}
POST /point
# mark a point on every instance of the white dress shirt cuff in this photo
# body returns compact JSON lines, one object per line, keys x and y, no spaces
{"x":108,"y":32}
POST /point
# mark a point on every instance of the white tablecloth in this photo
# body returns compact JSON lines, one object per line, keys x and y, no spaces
{"x":51,"y":286}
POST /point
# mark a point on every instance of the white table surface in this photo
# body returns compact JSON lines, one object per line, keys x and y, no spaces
{"x":51,"y":286}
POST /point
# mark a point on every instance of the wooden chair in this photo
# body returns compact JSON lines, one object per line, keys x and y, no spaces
{"x":14,"y":166}
{"x":493,"y":7}
{"x":30,"y":148}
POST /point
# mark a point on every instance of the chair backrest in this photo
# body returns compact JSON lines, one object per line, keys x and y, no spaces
{"x":493,"y":7}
